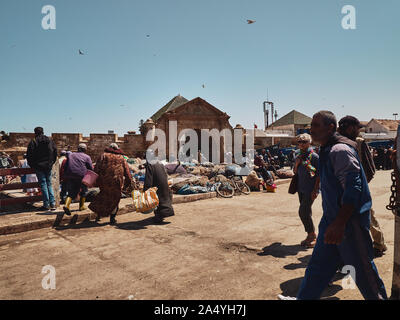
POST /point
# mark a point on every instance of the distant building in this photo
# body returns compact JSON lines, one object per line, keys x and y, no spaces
{"x":381,"y":129}
{"x":294,"y":122}
{"x":381,"y":126}
{"x":196,"y":114}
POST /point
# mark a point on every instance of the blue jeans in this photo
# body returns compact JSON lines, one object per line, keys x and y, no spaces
{"x":44,"y":179}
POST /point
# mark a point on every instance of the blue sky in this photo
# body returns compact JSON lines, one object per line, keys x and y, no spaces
{"x":297,"y":50}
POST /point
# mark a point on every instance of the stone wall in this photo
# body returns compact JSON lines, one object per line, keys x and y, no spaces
{"x":19,"y":139}
{"x":131,"y":144}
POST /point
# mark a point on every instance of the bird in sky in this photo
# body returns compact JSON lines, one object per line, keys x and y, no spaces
{"x":250,"y":21}
{"x":80,"y":52}
{"x":203,"y":86}
{"x":148,"y":36}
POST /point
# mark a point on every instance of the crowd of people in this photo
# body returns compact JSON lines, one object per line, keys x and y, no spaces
{"x":113,"y":177}
{"x":382,"y":158}
{"x":340,"y":171}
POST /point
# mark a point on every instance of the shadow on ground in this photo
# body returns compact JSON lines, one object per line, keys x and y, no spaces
{"x":85,"y":224}
{"x":137,"y":225}
{"x":291,"y":287}
{"x":134,"y":225}
{"x":279,"y":250}
{"x":303,"y":262}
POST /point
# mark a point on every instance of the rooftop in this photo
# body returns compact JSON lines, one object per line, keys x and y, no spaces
{"x":174,"y":103}
{"x":293,"y":117}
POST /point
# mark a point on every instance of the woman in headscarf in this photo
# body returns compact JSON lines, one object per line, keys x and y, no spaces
{"x":114,"y":176}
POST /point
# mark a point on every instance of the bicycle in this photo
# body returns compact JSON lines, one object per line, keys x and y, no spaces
{"x":235,"y":184}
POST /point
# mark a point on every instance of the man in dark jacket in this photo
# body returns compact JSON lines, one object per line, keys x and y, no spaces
{"x":349,"y":127}
{"x":41,"y":155}
{"x":156,"y":176}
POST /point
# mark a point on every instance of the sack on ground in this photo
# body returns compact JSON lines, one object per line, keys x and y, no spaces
{"x":253,"y":181}
{"x":145,"y":201}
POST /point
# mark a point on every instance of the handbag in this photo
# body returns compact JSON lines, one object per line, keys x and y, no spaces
{"x":145,"y":201}
{"x":90,"y":178}
{"x":293,"y":184}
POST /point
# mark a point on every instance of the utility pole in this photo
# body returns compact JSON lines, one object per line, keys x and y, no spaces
{"x":266,"y":113}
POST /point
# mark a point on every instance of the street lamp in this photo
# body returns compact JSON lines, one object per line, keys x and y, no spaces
{"x":395,"y":116}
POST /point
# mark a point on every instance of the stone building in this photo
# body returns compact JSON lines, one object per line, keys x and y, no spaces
{"x":293,"y":122}
{"x":380,"y":129}
{"x":196,"y":114}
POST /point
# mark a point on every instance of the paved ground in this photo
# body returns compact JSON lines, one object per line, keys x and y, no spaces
{"x":241,"y":248}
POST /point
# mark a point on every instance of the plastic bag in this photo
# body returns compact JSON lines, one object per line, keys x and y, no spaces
{"x":145,"y":201}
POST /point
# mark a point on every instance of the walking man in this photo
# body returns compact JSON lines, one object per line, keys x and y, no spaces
{"x":350,"y":127}
{"x":343,"y":235}
{"x":306,"y":168}
{"x":41,"y":155}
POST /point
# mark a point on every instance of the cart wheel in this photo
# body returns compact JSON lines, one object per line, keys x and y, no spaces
{"x":225,"y":190}
{"x":243,"y":187}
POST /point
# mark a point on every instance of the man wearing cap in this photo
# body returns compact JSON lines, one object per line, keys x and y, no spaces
{"x":306,"y":168}
{"x":76,"y":166}
{"x":349,"y":127}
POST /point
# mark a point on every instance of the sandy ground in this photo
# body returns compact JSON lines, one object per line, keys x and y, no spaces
{"x":241,"y":248}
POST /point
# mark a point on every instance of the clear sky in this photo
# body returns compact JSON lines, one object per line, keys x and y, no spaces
{"x":296,"y":49}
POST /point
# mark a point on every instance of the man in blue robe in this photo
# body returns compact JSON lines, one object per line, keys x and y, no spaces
{"x":344,"y":237}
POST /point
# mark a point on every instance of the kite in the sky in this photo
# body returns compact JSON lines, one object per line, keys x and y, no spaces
{"x":80,"y":52}
{"x":250,"y":21}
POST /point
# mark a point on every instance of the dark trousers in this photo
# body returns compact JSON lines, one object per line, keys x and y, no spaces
{"x":355,"y":251}
{"x":264,"y":173}
{"x":305,"y":211}
{"x":63,"y":192}
{"x":75,"y":187}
